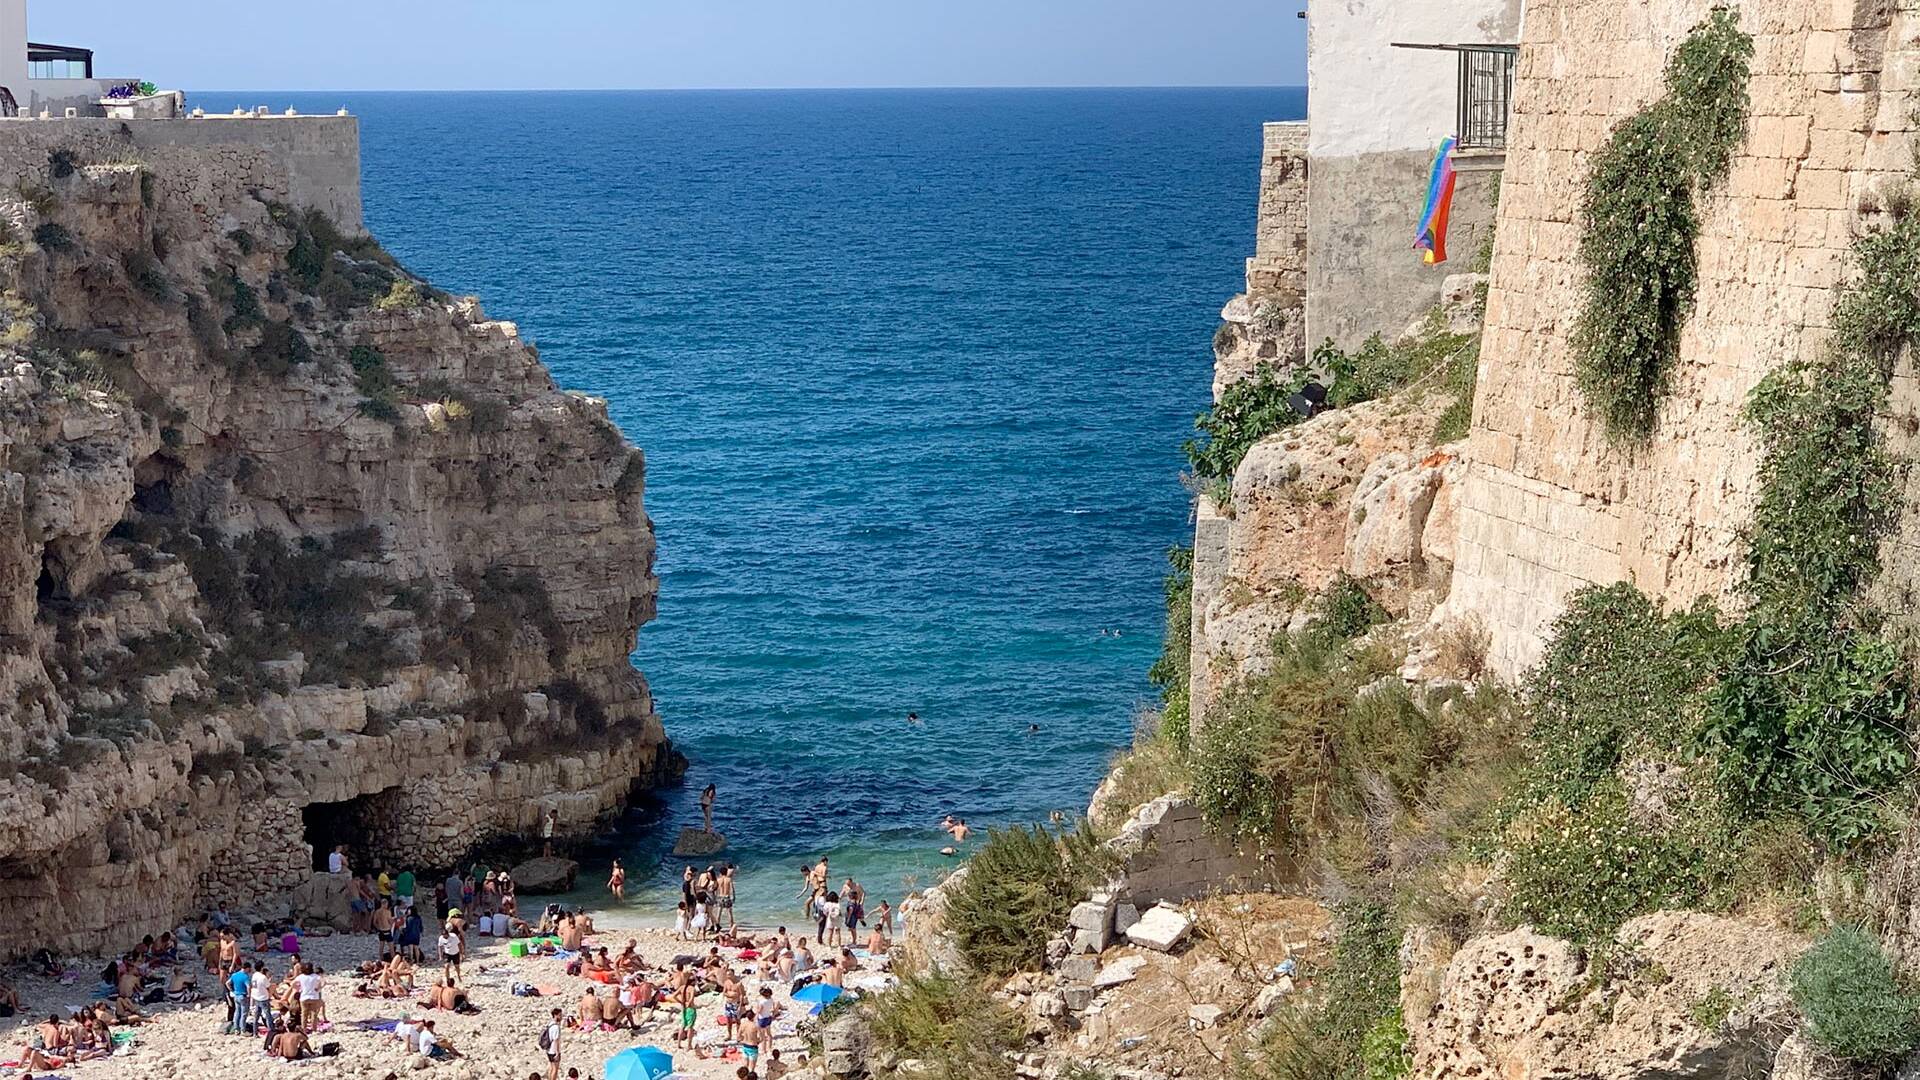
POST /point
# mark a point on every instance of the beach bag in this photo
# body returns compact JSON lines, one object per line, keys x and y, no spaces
{"x":521,"y":989}
{"x":290,"y":943}
{"x":546,"y":1040}
{"x":331,"y":1049}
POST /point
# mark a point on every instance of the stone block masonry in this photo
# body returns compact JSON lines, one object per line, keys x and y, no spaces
{"x":311,"y":162}
{"x":1549,"y":504}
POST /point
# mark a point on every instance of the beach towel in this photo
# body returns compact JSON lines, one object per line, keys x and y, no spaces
{"x":1431,"y":239}
{"x":374,"y":1025}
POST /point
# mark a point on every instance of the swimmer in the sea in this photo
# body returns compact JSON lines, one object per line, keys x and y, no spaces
{"x":1033,"y":729}
{"x":913,"y":718}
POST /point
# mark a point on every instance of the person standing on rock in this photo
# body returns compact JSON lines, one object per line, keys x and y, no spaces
{"x":546,"y":833}
{"x":706,"y":806}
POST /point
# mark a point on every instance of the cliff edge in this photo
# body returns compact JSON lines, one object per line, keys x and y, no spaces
{"x":295,"y":550}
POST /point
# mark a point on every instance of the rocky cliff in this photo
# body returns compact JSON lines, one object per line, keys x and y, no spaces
{"x":295,"y":550}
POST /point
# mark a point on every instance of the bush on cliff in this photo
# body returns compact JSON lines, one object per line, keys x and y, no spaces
{"x":1247,"y":412}
{"x":1638,"y":244}
{"x":1172,"y":672}
{"x":1855,"y":1004}
{"x":954,"y":1025}
{"x":1019,"y":887}
{"x":1350,"y":1028}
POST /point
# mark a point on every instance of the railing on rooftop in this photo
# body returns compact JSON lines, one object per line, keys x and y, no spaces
{"x":58,"y":62}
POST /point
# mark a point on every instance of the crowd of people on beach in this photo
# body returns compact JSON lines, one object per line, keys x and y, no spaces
{"x":273,"y":993}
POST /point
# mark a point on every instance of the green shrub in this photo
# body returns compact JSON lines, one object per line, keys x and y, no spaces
{"x":1580,"y":872}
{"x":1018,"y":888}
{"x":148,"y":276}
{"x":1638,"y":243}
{"x":54,"y":237}
{"x":1248,"y":411}
{"x":1343,"y":611}
{"x":1172,"y":671}
{"x":957,"y":1027}
{"x":1618,"y":678}
{"x":403,"y":296}
{"x":1855,"y":1005}
{"x":1813,"y":718}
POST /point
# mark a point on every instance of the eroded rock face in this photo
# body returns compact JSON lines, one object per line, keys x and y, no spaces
{"x":1688,"y":995}
{"x":294,"y":551}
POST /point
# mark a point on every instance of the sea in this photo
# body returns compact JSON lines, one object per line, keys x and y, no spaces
{"x":912,"y":370}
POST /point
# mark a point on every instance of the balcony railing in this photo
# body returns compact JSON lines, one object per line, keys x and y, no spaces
{"x":1486,"y":94}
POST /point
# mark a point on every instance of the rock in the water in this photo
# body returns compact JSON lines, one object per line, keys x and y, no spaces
{"x":1162,"y":929}
{"x":545,"y":875}
{"x":696,"y":842}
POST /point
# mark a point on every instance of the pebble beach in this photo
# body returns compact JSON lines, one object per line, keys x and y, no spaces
{"x":497,"y":1043}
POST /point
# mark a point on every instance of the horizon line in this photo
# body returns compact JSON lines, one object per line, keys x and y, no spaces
{"x":732,"y":89}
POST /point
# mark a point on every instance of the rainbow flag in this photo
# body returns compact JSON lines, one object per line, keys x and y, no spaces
{"x":1431,"y":241}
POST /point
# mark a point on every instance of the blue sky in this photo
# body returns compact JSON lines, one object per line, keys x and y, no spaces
{"x":547,"y":44}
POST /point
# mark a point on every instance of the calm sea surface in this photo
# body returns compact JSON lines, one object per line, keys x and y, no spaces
{"x":911,"y":369}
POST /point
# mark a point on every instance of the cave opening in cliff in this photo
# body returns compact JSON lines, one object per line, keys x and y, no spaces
{"x":328,"y":825}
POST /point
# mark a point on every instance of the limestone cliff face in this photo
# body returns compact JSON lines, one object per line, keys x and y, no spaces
{"x":293,"y":549}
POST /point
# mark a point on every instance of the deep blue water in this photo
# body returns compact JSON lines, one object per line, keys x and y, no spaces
{"x":911,"y":369}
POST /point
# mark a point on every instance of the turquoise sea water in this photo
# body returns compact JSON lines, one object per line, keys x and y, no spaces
{"x":911,"y":369}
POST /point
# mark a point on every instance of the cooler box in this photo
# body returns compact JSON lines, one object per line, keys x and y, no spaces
{"x":518,"y":948}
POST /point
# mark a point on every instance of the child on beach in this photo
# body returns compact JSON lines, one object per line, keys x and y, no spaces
{"x":680,"y":921}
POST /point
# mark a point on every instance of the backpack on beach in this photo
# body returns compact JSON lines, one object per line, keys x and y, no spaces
{"x":546,"y":1040}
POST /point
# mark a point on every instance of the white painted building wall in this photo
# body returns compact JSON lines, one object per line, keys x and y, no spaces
{"x":13,"y":48}
{"x":1375,"y":116}
{"x":1365,"y":96}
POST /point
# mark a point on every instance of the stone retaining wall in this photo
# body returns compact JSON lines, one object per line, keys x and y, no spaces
{"x":1549,"y":504}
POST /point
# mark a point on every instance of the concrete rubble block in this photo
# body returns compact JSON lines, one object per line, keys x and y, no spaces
{"x":1088,"y":915}
{"x":1077,"y":996}
{"x":1204,"y":1016}
{"x":1162,"y":929}
{"x":1078,"y":969}
{"x":1124,"y":916}
{"x":1091,"y":941}
{"x":1123,"y":970}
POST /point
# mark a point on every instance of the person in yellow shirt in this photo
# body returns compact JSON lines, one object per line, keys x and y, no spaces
{"x":385,"y":884}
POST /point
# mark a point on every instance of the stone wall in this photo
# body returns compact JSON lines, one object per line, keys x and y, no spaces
{"x":1548,"y":503}
{"x":1167,"y":853}
{"x":312,"y":162}
{"x":1267,"y":323}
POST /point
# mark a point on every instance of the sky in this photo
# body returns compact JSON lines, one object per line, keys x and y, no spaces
{"x":659,"y":44}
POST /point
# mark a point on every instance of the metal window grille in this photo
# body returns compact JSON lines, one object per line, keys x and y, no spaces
{"x":1486,"y":93}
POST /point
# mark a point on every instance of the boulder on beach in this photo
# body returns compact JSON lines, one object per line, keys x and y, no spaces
{"x":696,"y":842}
{"x":547,"y":874}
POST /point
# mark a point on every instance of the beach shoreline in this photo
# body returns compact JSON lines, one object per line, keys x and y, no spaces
{"x":499,"y":1042}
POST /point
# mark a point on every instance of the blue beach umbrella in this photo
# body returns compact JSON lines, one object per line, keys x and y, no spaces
{"x":819,"y":995}
{"x":640,"y":1063}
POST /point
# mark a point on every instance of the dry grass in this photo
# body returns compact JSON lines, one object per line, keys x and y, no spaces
{"x":1460,"y":647}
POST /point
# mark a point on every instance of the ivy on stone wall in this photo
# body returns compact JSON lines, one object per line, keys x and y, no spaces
{"x":1641,"y":223}
{"x":1813,"y":717}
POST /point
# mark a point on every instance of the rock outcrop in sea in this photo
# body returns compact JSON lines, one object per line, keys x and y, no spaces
{"x":295,"y":550}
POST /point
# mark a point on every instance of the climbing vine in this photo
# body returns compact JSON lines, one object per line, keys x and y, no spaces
{"x":1812,"y":718}
{"x":1641,"y":222}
